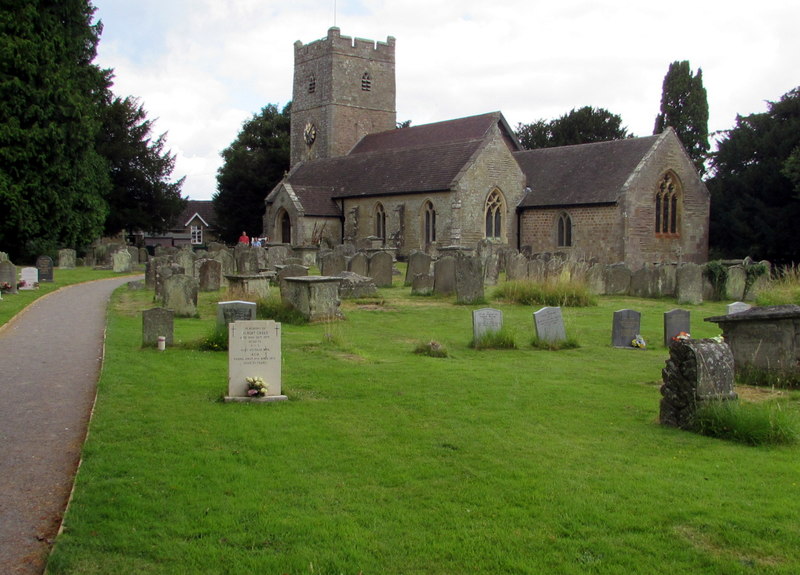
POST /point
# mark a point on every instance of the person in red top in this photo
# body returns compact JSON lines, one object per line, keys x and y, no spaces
{"x":243,"y":239}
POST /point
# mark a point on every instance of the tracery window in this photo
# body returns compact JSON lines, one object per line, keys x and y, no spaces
{"x":366,"y":82}
{"x":495,"y":208}
{"x":429,"y":223}
{"x":380,"y":222}
{"x":564,"y":230}
{"x":667,"y":206}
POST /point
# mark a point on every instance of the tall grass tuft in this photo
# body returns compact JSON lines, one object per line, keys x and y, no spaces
{"x":431,"y":348}
{"x":501,"y":339}
{"x":273,"y":308}
{"x":783,"y":290}
{"x":749,"y":423}
{"x":775,"y":378}
{"x":556,"y":345}
{"x":553,"y":291}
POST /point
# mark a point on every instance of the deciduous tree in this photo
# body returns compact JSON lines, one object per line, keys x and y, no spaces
{"x":580,"y":126}
{"x":684,"y":106}
{"x":253,"y":164}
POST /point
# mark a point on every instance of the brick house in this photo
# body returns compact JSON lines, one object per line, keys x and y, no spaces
{"x":356,"y":178}
{"x":195,"y":226}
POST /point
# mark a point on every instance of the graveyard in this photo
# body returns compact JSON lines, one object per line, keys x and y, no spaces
{"x":385,"y":461}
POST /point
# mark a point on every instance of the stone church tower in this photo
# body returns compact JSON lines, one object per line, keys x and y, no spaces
{"x":344,"y":89}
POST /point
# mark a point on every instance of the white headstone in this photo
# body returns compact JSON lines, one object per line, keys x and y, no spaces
{"x":737,"y":306}
{"x":254,"y":350}
{"x":29,"y":278}
{"x":486,"y":320}
{"x":549,"y":324}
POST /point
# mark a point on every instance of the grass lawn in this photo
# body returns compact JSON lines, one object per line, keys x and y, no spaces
{"x":389,"y":462}
{"x":13,"y":304}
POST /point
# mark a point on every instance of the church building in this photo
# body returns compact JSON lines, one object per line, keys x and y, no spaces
{"x":355,"y":177}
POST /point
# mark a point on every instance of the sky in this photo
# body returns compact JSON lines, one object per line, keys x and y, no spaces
{"x":201,"y":68}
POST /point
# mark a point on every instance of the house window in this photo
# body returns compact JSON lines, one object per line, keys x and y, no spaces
{"x":495,"y":208}
{"x":667,"y":206}
{"x":429,"y":224}
{"x":564,"y":231}
{"x":197,"y":235}
{"x":312,"y":84}
{"x":380,"y":222}
{"x":366,"y":82}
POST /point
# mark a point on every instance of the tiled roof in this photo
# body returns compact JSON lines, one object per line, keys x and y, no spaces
{"x":317,"y":200}
{"x":203,"y":208}
{"x":582,"y":174}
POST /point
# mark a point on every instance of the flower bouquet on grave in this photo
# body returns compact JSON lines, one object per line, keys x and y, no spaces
{"x":256,"y":387}
{"x":639,"y":342}
{"x":5,"y":287}
{"x":682,"y":336}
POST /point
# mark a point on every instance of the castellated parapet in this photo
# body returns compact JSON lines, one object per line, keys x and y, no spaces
{"x":346,"y":45}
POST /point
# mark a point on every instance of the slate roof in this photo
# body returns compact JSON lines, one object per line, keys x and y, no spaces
{"x":581,"y":174}
{"x":203,"y":208}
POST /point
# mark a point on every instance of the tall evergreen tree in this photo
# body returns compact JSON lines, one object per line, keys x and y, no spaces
{"x":579,"y":126}
{"x":253,"y":164}
{"x":755,"y":205}
{"x":684,"y":106}
{"x":141,"y":197}
{"x":52,"y":180}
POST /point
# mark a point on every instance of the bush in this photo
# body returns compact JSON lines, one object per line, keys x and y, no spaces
{"x":273,"y":308}
{"x":502,"y":339}
{"x":717,"y":273}
{"x":551,"y":292}
{"x":748,"y":423}
{"x":569,"y":343}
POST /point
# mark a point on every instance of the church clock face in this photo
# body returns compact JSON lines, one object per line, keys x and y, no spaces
{"x":310,"y":133}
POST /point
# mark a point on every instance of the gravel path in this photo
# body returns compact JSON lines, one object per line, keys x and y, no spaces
{"x":50,"y":359}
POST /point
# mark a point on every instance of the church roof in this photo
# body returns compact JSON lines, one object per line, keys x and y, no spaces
{"x":581,"y":174}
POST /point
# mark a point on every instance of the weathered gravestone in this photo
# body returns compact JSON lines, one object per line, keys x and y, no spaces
{"x":254,"y":351}
{"x":516,"y":266}
{"x":121,"y":261}
{"x":359,"y":264}
{"x":444,"y":275}
{"x":180,"y":295}
{"x":486,"y":320}
{"x":332,"y":263}
{"x":689,"y":284}
{"x":737,"y":307}
{"x":230,"y":311}
{"x":549,"y":324}
{"x":45,"y":266}
{"x":468,"y":279}
{"x":418,"y":263}
{"x":66,"y":259}
{"x":157,"y":322}
{"x":676,"y":321}
{"x":697,"y":371}
{"x":246,"y":259}
{"x":380,"y":268}
{"x":8,"y":276}
{"x":315,"y":297}
{"x":625,"y":327}
{"x":355,"y":286}
{"x":185,"y":258}
{"x":735,"y":283}
{"x":163,"y":273}
{"x":422,"y":284}
{"x":29,"y":278}
{"x":289,"y":271}
{"x":210,"y":275}
{"x":225,"y":258}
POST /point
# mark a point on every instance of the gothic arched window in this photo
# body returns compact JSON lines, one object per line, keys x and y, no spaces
{"x":494,"y":211}
{"x":366,"y":82}
{"x":564,"y":231}
{"x":667,"y":206}
{"x":380,"y":222}
{"x":429,"y":224}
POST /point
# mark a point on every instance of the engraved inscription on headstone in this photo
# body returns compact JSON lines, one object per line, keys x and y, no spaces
{"x":29,"y":278}
{"x":625,"y":327}
{"x":486,"y":320}
{"x":230,"y":311}
{"x":45,"y":266}
{"x":676,"y":321}
{"x":549,"y":324}
{"x":254,"y":350}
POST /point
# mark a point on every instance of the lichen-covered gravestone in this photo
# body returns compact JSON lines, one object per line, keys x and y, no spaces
{"x":157,"y":322}
{"x":697,"y":371}
{"x":254,"y":351}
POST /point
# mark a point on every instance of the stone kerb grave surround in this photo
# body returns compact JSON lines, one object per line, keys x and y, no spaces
{"x":697,"y":371}
{"x":315,"y":297}
{"x":675,"y":322}
{"x":486,"y":320}
{"x":765,"y":338}
{"x":28,"y":278}
{"x":549,"y":324}
{"x":157,"y":322}
{"x":231,"y":311}
{"x":254,"y":350}
{"x":626,"y":326}
{"x":8,"y":275}
{"x":45,"y":266}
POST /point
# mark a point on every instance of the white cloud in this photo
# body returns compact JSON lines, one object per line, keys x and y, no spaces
{"x":203,"y":67}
